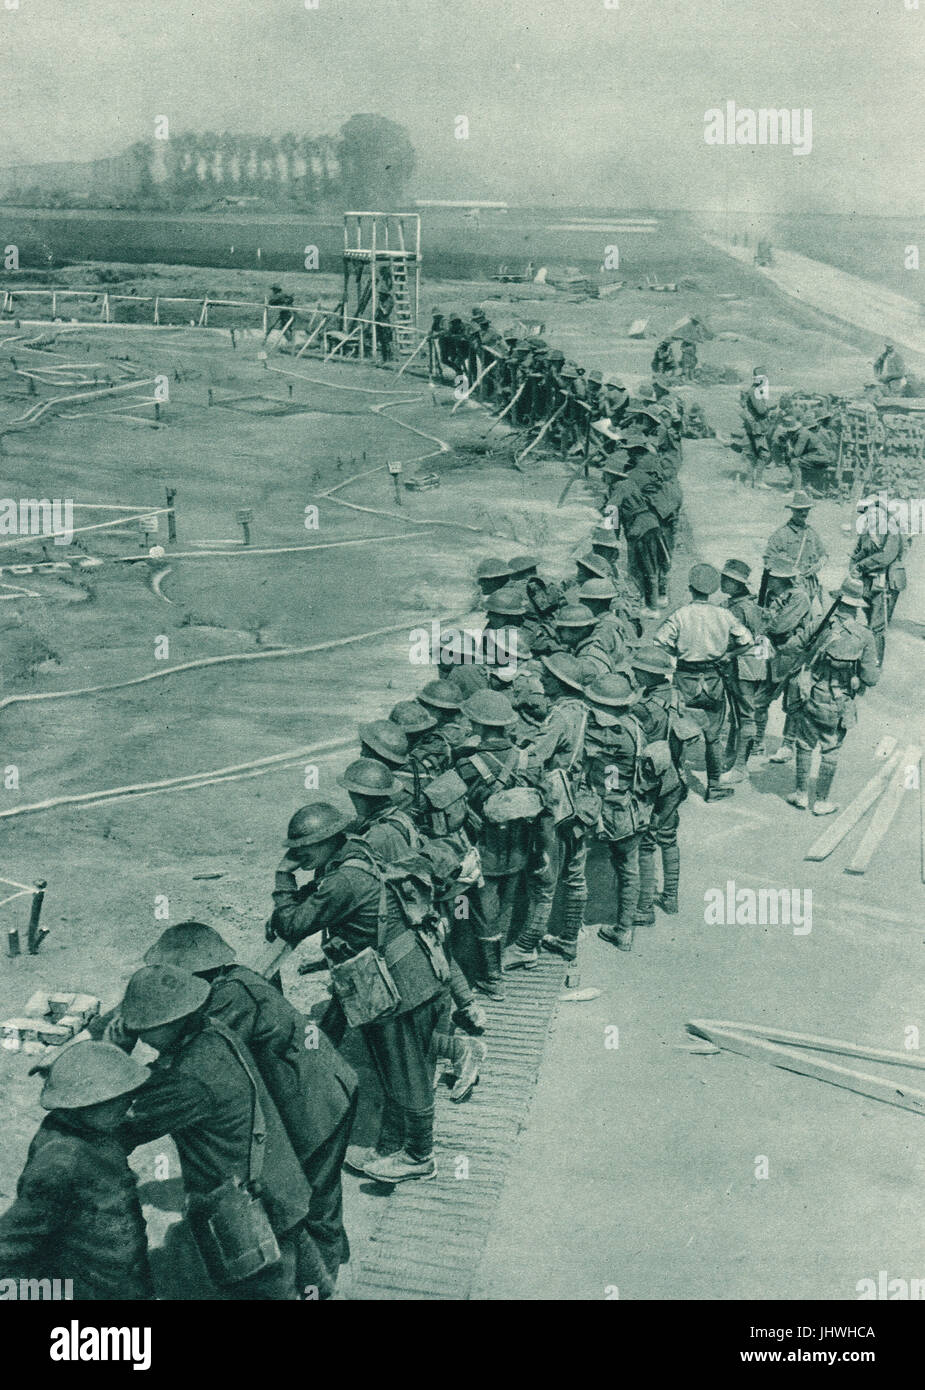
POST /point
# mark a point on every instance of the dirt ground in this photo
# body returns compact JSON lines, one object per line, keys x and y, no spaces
{"x":276,"y":445}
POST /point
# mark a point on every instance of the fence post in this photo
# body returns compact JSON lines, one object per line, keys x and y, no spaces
{"x":37,"y":934}
{"x":157,"y":309}
{"x":172,"y":513}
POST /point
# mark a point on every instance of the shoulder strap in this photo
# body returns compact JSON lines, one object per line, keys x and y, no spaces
{"x":258,"y":1122}
{"x":580,"y":738}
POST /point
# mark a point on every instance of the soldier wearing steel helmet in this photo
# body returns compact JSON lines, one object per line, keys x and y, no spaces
{"x":201,"y":1092}
{"x":661,"y":714}
{"x":504,"y":849}
{"x":315,"y":1090}
{"x":789,"y":624}
{"x":76,"y":1213}
{"x":343,"y":903}
{"x":749,"y":679}
{"x":560,"y":847}
{"x":614,"y":744}
{"x":382,"y":807}
{"x":701,"y":636}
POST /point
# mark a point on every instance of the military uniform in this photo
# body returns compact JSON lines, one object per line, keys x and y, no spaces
{"x":755,"y":410}
{"x":877,"y":560}
{"x":76,"y":1214}
{"x":657,"y":710}
{"x":201,"y":1096}
{"x":344,"y":906}
{"x":843,"y":667}
{"x":699,"y":635}
{"x":613,"y":750}
{"x":801,"y":547}
{"x":314,"y":1089}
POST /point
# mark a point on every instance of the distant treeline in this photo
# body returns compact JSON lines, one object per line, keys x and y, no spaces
{"x":368,"y":164}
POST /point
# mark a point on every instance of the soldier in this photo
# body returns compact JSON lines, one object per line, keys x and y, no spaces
{"x":688,"y":360}
{"x":749,"y":685}
{"x":890,"y":370}
{"x":444,"y":699}
{"x":606,"y":546}
{"x":385,"y":826}
{"x":799,"y":544}
{"x":811,"y":446}
{"x":382,"y":741}
{"x":840,"y":667}
{"x":76,"y":1207}
{"x":504,"y":849}
{"x":661,"y":716}
{"x":614,"y":743}
{"x":663,"y":493}
{"x":575,"y":633}
{"x":455,"y":662}
{"x":345,"y":904}
{"x":640,"y":526}
{"x":313,"y":1088}
{"x":504,"y":609}
{"x":614,"y":400}
{"x":560,"y":846}
{"x":206,"y":1092}
{"x":663,"y":363}
{"x":788,"y":624}
{"x":491,"y":575}
{"x":755,"y":409}
{"x":877,"y":560}
{"x":611,"y":632}
{"x":701,"y":635}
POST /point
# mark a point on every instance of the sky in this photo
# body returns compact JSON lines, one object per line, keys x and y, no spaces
{"x":567,"y":101}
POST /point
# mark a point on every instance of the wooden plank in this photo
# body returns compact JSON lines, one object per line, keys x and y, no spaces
{"x":790,"y":1059}
{"x":882,"y":818}
{"x":833,"y":834}
{"x":810,"y":1040}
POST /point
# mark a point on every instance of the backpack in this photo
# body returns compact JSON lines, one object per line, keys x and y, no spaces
{"x":446,"y":803}
{"x":408,"y":965}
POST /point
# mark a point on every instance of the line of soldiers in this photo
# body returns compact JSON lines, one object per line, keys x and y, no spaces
{"x":556,"y":732}
{"x":537,"y":388}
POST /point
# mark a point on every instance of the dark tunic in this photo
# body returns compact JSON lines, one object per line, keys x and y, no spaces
{"x":77,"y":1215}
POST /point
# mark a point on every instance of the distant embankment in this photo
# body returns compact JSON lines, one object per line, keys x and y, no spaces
{"x":452,"y":248}
{"x":849,"y":297}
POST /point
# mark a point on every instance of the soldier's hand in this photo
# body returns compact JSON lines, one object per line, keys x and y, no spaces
{"x":287,"y":865}
{"x":269,"y":930}
{"x":117,"y":1033}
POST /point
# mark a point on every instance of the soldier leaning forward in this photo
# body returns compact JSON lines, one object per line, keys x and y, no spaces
{"x":357,"y":905}
{"x":788,"y":625}
{"x":667,"y":728}
{"x":614,"y":745}
{"x":842,"y":667}
{"x":206,"y":1092}
{"x":314,"y":1089}
{"x":76,"y":1213}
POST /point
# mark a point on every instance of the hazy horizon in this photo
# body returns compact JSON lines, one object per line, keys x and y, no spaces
{"x":574,"y":105}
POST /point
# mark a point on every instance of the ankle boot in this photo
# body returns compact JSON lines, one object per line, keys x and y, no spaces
{"x":671,"y":872}
{"x":645,"y":904}
{"x":799,"y":797}
{"x":715,"y":790}
{"x":467,"y":1056}
{"x":490,"y":981}
{"x":822,"y":806}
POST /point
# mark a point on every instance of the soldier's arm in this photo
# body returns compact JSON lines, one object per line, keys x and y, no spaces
{"x":667,"y":635}
{"x":541,"y":750}
{"x":168,"y":1102}
{"x":42,"y":1207}
{"x":330,"y":904}
{"x":868,"y":667}
{"x":739,"y":635}
{"x":881,"y":558}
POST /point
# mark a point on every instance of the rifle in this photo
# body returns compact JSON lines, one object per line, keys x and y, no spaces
{"x":809,"y":654}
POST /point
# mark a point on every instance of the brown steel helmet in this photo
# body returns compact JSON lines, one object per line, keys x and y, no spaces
{"x":386,"y":740}
{"x":316,"y":822}
{"x":369,"y":778}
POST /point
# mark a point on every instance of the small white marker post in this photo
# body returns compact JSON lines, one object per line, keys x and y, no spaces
{"x":395,"y":470}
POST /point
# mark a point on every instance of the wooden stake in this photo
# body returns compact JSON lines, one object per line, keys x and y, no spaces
{"x":530,"y":447}
{"x":810,"y":1040}
{"x":510,"y":405}
{"x":882,"y":818}
{"x":833,"y":834}
{"x":408,"y":362}
{"x":790,"y":1059}
{"x":481,"y":377}
{"x":37,"y":934}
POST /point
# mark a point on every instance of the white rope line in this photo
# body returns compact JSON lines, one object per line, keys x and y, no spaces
{"x":13,"y":884}
{"x":13,"y":896}
{"x":96,"y":526}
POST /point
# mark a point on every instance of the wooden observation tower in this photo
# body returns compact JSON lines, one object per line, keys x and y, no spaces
{"x":382,"y":263}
